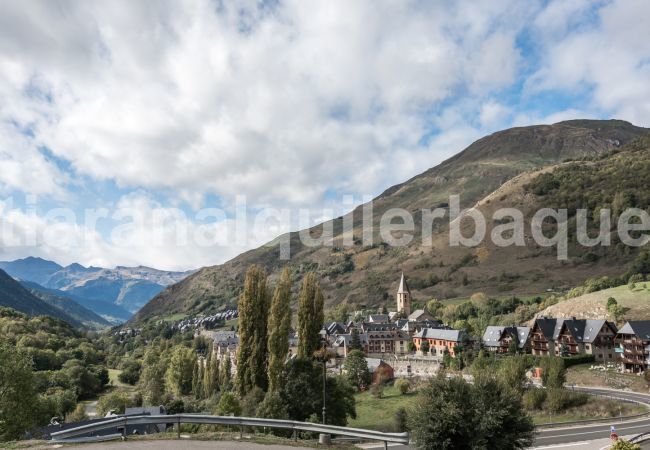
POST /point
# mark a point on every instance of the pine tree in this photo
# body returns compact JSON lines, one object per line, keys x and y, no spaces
{"x":279,"y":328}
{"x":253,"y":316}
{"x":310,"y":316}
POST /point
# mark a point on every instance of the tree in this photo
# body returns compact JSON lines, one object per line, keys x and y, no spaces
{"x":225,"y":377}
{"x":180,"y":371}
{"x":152,"y":377}
{"x":451,"y":414}
{"x":553,"y":372}
{"x":513,"y":372}
{"x":210,"y":375}
{"x":228,"y":404}
{"x":272,"y":407}
{"x":302,"y":390}
{"x":115,"y":401}
{"x":355,"y":340}
{"x":434,"y":307}
{"x":424,"y":346}
{"x":17,"y":393}
{"x":253,"y":322}
{"x":356,"y":369}
{"x":130,"y":373}
{"x":197,"y":381}
{"x":78,"y":415}
{"x":310,"y":316}
{"x":279,"y":328}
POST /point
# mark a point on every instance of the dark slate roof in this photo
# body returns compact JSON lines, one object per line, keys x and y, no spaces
{"x":640,"y":328}
{"x":378,"y":318}
{"x":548,"y":327}
{"x":493,"y":334}
{"x":378,"y":326}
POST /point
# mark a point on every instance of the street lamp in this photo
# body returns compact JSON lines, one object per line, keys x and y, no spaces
{"x":323,"y":355}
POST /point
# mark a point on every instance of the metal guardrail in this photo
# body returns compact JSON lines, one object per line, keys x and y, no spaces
{"x":178,"y":419}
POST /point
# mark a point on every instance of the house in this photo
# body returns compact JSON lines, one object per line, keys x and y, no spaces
{"x":378,"y":318}
{"x":419,"y":315}
{"x":633,"y":346}
{"x":379,"y":370}
{"x":413,"y":327}
{"x":593,"y":337}
{"x":440,"y":340}
{"x":341,"y":344}
{"x":390,"y":341}
{"x":569,"y":337}
{"x":544,"y":334}
{"x":498,"y":339}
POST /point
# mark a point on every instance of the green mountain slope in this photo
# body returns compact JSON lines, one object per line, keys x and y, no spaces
{"x":368,"y":275}
{"x":53,"y":298}
{"x":13,"y":295}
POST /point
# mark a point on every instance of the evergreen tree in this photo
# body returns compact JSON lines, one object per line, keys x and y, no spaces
{"x":279,"y":328}
{"x":355,"y":340}
{"x":356,"y":369}
{"x":310,"y":316}
{"x":253,"y":316}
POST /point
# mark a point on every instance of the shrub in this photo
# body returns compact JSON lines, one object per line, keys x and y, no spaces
{"x":402,"y":385}
{"x":534,"y":399}
{"x":559,"y":399}
{"x":116,"y":401}
{"x":578,"y":359}
{"x":622,"y":444}
{"x":401,"y":420}
{"x":377,"y":390}
{"x":228,"y":404}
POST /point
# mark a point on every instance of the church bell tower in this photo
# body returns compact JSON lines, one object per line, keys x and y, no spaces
{"x":403,"y":297}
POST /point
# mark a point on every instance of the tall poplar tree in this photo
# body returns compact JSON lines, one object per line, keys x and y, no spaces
{"x":279,"y":328}
{"x":310,"y":316}
{"x":253,"y":315}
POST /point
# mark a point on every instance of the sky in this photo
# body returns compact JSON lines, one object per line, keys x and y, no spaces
{"x":141,"y":132}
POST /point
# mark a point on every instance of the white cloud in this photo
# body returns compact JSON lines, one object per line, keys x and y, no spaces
{"x":289,"y":104}
{"x":608,"y":59}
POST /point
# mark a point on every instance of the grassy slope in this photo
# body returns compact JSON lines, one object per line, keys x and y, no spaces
{"x":379,"y":414}
{"x":593,"y":305}
{"x":474,"y":173}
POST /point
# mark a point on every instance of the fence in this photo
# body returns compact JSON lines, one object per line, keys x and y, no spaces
{"x":72,"y":434}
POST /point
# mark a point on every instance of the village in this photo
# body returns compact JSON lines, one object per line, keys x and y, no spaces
{"x":412,"y":343}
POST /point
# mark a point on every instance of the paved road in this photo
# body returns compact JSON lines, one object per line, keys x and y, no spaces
{"x":573,"y":434}
{"x":174,"y":445}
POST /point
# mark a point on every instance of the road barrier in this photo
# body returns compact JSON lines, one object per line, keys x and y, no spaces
{"x":177,"y":419}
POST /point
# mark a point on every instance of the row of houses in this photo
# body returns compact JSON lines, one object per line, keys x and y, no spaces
{"x":629,"y":346}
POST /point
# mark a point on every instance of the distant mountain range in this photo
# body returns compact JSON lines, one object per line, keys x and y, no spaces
{"x":14,"y":295}
{"x":114,"y":294}
{"x":492,"y":173}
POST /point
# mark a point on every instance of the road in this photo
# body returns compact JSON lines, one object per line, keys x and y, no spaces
{"x":174,"y":445}
{"x":571,"y":434}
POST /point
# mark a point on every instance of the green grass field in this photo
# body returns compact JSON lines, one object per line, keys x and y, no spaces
{"x":379,"y":413}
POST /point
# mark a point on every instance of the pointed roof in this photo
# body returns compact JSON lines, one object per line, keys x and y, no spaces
{"x":403,"y":287}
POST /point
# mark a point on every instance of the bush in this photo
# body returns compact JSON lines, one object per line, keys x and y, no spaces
{"x":377,"y":390}
{"x":578,"y":359}
{"x":402,"y":385}
{"x":559,"y":399}
{"x":401,"y":420}
{"x":116,"y":401}
{"x":228,"y":404}
{"x":622,"y":444}
{"x":534,"y":399}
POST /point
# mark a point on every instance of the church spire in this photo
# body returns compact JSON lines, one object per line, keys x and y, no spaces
{"x":403,"y":297}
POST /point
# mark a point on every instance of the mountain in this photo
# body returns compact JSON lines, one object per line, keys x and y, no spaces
{"x":13,"y":295}
{"x":33,"y":269}
{"x":70,"y":306}
{"x":129,"y":288}
{"x":492,"y":172}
